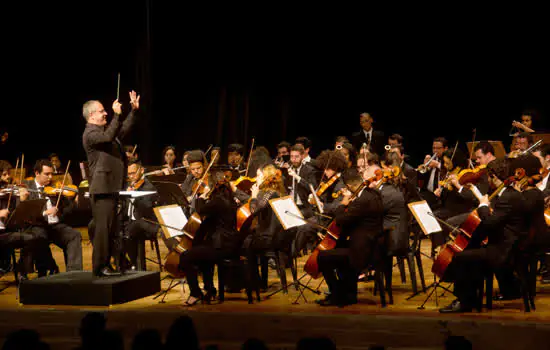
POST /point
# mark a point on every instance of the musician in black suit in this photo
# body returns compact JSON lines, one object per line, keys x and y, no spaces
{"x":301,"y":175}
{"x":395,"y":156}
{"x":434,"y":171}
{"x":135,"y":210}
{"x":374,"y":139}
{"x":53,"y":229}
{"x":360,"y":219}
{"x":107,"y":164}
{"x":503,"y":227}
{"x":235,"y":160}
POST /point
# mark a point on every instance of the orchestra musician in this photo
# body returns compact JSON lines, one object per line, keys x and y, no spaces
{"x":360,"y":217}
{"x":197,"y":167}
{"x":132,"y":153}
{"x":53,"y":229}
{"x":374,"y":139}
{"x":502,"y":222}
{"x":58,"y":170}
{"x":283,"y":153}
{"x":235,"y":159}
{"x":215,"y":240}
{"x":301,"y":175}
{"x":306,"y":143}
{"x":107,"y":165}
{"x":135,"y":210}
{"x":431,"y":171}
{"x":339,"y":141}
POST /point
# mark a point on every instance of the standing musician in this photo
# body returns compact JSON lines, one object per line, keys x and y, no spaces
{"x":135,"y":210}
{"x":360,"y":216}
{"x":502,"y":222}
{"x":215,"y":240}
{"x":53,"y":229}
{"x":374,"y":139}
{"x":107,"y":164}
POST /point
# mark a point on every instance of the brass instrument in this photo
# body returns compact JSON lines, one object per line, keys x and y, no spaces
{"x":423,"y":168}
{"x":387,"y":147}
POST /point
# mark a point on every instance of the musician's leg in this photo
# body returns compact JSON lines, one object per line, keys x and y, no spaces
{"x":104,"y":213}
{"x":329,"y":262}
{"x":70,"y":241}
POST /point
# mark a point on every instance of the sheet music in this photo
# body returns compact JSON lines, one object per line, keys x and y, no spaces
{"x":172,"y":216}
{"x":421,"y":211}
{"x":135,"y":194}
{"x":283,"y":205}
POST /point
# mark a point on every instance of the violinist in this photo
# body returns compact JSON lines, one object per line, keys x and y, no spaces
{"x":197,"y":167}
{"x":306,"y":143}
{"x":131,"y":153}
{"x":484,"y":153}
{"x":135,"y":210}
{"x":360,"y":216}
{"x":235,"y":159}
{"x":53,"y":229}
{"x":349,"y":152}
{"x":543,"y":154}
{"x":215,"y":240}
{"x":395,"y":156}
{"x":501,"y":225}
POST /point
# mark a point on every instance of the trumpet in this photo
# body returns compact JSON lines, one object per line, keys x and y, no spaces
{"x":387,"y":147}
{"x":423,"y":168}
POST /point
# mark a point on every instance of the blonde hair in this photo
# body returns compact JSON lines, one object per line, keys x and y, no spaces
{"x":273,"y":179}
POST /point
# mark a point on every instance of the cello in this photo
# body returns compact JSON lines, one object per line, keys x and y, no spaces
{"x":329,"y":240}
{"x":464,"y":233}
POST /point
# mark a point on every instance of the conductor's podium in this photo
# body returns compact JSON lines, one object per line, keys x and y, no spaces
{"x":83,"y":288}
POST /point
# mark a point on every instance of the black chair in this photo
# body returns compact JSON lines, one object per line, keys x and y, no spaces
{"x":142,"y":258}
{"x":237,"y":264}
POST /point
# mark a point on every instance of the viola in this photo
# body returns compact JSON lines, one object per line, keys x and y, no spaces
{"x":200,"y":186}
{"x":69,"y":191}
{"x":324,"y":185}
{"x":244,"y":183}
{"x":472,"y":176}
{"x":136,"y":185}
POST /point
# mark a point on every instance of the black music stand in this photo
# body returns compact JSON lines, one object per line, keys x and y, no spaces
{"x":26,"y":214}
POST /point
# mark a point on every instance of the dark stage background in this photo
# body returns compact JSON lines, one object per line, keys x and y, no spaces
{"x":217,"y":77}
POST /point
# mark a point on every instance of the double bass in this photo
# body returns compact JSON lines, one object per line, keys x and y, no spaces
{"x":311,"y":267}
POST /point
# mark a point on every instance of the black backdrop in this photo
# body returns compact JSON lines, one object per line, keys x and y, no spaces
{"x":226,"y":76}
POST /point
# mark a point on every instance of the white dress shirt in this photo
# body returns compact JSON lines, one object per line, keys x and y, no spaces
{"x":52,"y":219}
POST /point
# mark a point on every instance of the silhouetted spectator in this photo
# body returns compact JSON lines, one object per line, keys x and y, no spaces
{"x":182,"y":330}
{"x":27,"y":339}
{"x":147,"y":339}
{"x":111,"y":340}
{"x":92,"y":327}
{"x":457,"y":342}
{"x":320,"y":343}
{"x":254,"y":344}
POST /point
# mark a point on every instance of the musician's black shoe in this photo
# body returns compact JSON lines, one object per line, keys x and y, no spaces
{"x":455,"y":307}
{"x":502,"y":297}
{"x":107,"y":272}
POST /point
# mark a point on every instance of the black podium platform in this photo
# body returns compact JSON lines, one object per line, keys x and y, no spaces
{"x":82,"y":288}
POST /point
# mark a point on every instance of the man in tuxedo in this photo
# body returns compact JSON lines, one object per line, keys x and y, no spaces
{"x":429,"y":181}
{"x":235,"y":160}
{"x":107,"y":165}
{"x":53,"y":229}
{"x":135,"y":210}
{"x":374,"y":139}
{"x":360,"y":218}
{"x":304,"y":141}
{"x":503,"y":227}
{"x":301,"y":175}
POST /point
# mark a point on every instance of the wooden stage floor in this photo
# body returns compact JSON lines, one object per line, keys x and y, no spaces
{"x":281,"y":323}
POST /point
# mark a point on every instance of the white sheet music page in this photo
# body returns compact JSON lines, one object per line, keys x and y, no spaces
{"x":422,"y":211}
{"x":283,"y":206}
{"x":174,"y":217}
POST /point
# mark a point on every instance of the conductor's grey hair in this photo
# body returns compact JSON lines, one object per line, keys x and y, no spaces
{"x":88,"y":108}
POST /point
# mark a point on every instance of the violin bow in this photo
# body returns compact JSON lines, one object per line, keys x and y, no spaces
{"x":21,"y":173}
{"x":63,"y":184}
{"x":13,"y":186}
{"x":201,"y":181}
{"x":472,"y":150}
{"x":134,"y":150}
{"x":208,"y":149}
{"x":249,"y":156}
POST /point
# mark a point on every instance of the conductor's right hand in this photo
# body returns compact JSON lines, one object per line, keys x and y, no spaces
{"x":117,"y":107}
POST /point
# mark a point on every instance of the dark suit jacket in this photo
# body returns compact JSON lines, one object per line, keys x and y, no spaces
{"x":143,"y":206}
{"x":362,"y":222}
{"x":395,"y":219}
{"x":504,"y":225}
{"x":66,"y":205}
{"x":377,"y":143}
{"x":106,"y":158}
{"x":307,"y":173}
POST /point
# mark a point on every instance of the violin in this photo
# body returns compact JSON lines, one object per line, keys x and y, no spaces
{"x":244,"y":183}
{"x":446,"y":182}
{"x":468,"y":176}
{"x":200,"y":186}
{"x":69,"y":191}
{"x":324,"y":185}
{"x":135,"y":186}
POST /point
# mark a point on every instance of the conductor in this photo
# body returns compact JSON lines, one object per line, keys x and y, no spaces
{"x":107,"y":164}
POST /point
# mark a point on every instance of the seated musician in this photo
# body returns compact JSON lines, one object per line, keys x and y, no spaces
{"x":502,"y":226}
{"x":333,"y":163}
{"x":349,"y":152}
{"x":543,"y":154}
{"x":53,"y":229}
{"x":301,"y":175}
{"x":58,"y":170}
{"x":456,"y":200}
{"x":360,"y":216}
{"x":304,"y":141}
{"x":269,"y":185}
{"x":135,"y":210}
{"x":283,"y":153}
{"x":131,"y":152}
{"x":432,"y":171}
{"x":215,"y":240}
{"x":5,"y":180}
{"x":339,"y":141}
{"x":235,"y":159}
{"x":395,"y":156}
{"x":196,"y":171}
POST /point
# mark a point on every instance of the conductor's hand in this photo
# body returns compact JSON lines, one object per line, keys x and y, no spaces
{"x":23,"y":194}
{"x":117,"y":107}
{"x":52,"y":211}
{"x":4,"y":213}
{"x":134,"y":100}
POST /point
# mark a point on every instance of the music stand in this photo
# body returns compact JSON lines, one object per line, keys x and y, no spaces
{"x":170,"y":193}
